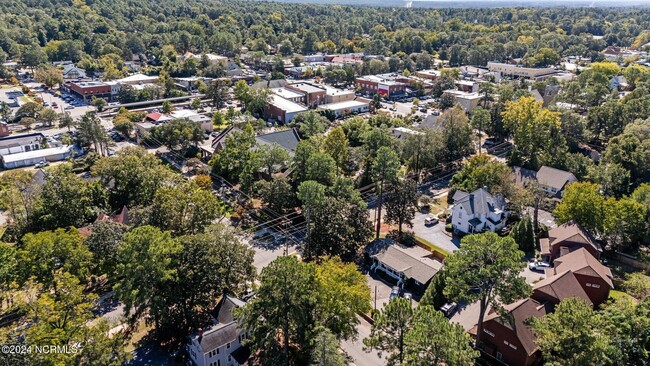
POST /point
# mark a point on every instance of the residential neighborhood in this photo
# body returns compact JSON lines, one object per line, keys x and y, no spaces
{"x":263,"y":183}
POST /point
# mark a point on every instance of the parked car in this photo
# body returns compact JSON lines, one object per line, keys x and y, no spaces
{"x":408,"y":295}
{"x":449,"y":308}
{"x":394,"y":292}
{"x":46,"y":104}
{"x":423,"y":110}
{"x":68,"y":107}
{"x":538,"y":266}
{"x":41,"y":164}
{"x":431,"y":220}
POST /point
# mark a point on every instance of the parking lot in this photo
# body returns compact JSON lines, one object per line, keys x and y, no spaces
{"x":435,"y":234}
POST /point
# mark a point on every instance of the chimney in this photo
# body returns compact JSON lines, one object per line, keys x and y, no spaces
{"x":200,"y":334}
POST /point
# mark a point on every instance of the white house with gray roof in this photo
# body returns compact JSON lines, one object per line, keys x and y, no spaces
{"x":220,"y":345}
{"x":478,"y":211}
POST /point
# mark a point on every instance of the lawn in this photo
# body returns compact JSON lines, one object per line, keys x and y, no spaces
{"x":432,"y":247}
{"x":618,"y":295}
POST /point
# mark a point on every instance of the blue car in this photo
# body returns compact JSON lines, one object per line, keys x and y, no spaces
{"x":394,"y":293}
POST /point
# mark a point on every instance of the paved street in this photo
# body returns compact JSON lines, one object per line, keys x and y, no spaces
{"x":354,"y":348}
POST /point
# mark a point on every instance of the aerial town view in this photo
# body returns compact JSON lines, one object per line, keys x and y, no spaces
{"x":324,"y":183}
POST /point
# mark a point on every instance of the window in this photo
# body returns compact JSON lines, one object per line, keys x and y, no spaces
{"x":228,"y":345}
{"x":229,"y":358}
{"x":488,"y":332}
{"x":217,"y":351}
{"x":499,"y":356}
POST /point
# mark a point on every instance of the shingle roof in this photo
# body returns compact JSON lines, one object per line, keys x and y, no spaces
{"x":561,"y":286}
{"x":480,"y":202}
{"x":410,"y":262}
{"x":582,"y":262}
{"x":523,"y":175}
{"x":288,"y":139}
{"x":555,"y":178}
{"x":515,"y":317}
{"x":571,"y":232}
{"x":225,"y":328}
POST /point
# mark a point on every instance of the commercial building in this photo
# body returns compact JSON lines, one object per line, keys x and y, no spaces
{"x":88,"y":89}
{"x":533,"y":73}
{"x":334,"y":95}
{"x":283,"y":110}
{"x":468,"y":101}
{"x":346,"y":108}
{"x":289,"y":94}
{"x":314,"y":94}
{"x":21,"y":143}
{"x":30,"y":158}
{"x":380,"y":84}
{"x":428,"y":74}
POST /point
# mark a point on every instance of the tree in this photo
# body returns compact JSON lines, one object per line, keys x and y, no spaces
{"x":5,"y":111}
{"x":61,"y":316}
{"x":481,"y":171}
{"x":388,"y":332}
{"x":343,"y":293}
{"x":90,"y":131}
{"x":167,"y":107}
{"x":628,"y":326}
{"x":27,"y":122}
{"x":48,"y":75}
{"x":311,"y":194}
{"x":625,"y":222}
{"x":572,"y":335}
{"x":274,"y":158}
{"x":225,"y":268}
{"x":258,"y":101}
{"x":441,"y":84}
{"x":321,"y":167}
{"x":33,"y":56}
{"x":19,"y":198}
{"x":434,"y":340}
{"x":184,"y":209}
{"x":242,"y":92}
{"x":523,"y":234}
{"x":420,"y":151}
{"x":310,"y":123}
{"x":196,"y":103}
{"x":29,"y":109}
{"x":144,"y":270}
{"x":68,"y":200}
{"x":583,"y":203}
{"x":480,"y":120}
{"x":66,"y":120}
{"x":41,"y":255}
{"x":218,"y":92}
{"x":341,"y":228}
{"x":457,"y":134}
{"x":535,"y":130}
{"x":326,"y":350}
{"x":280,"y":318}
{"x":133,"y":176}
{"x":401,"y":203}
{"x":178,"y":134}
{"x":98,"y":103}
{"x":103,"y":242}
{"x":47,"y":117}
{"x":337,"y":146}
{"x":485,"y":269}
{"x":545,"y":57}
{"x":278,"y":194}
{"x":384,"y":170}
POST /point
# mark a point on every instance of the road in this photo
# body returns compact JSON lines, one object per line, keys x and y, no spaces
{"x":354,"y":348}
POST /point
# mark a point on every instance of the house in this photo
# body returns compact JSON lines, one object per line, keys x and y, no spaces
{"x":553,"y":181}
{"x":72,"y":72}
{"x":221,"y":343}
{"x":618,"y":83}
{"x":287,"y":139}
{"x":478,"y":211}
{"x":568,"y":238}
{"x":508,"y":337}
{"x":283,"y":110}
{"x":121,"y":218}
{"x":410,"y":267}
{"x":594,"y":277}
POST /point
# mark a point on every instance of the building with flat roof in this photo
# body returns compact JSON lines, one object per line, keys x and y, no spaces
{"x":347,"y":107}
{"x":428,"y":74}
{"x":88,"y":89}
{"x":21,"y":143}
{"x":32,"y":157}
{"x":533,"y":73}
{"x":283,"y":110}
{"x":334,"y":95}
{"x":314,"y":94}
{"x":384,"y":85}
{"x":468,"y":101}
{"x":289,"y":94}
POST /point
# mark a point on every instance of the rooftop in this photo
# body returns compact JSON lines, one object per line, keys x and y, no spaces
{"x":343,"y":105}
{"x":286,"y":93}
{"x":34,"y":154}
{"x":414,"y":262}
{"x":307,"y":88}
{"x":286,"y":105}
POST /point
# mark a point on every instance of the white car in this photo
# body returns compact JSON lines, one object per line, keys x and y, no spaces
{"x":538,"y":266}
{"x":431,"y":220}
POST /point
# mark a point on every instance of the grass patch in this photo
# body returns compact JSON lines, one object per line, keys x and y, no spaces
{"x":620,"y":295}
{"x":140,"y":332}
{"x":432,"y":247}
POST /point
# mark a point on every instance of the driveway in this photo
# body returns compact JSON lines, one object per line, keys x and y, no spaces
{"x":543,"y":217}
{"x":354,"y":348}
{"x":434,"y":234}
